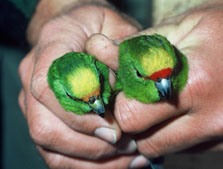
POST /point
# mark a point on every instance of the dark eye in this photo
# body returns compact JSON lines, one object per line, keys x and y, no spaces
{"x":141,"y":76}
{"x":92,"y":99}
{"x":73,"y":98}
{"x":138,"y":74}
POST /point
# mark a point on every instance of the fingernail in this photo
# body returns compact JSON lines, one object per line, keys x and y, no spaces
{"x":106,"y":134}
{"x":139,"y":161}
{"x":129,"y":147}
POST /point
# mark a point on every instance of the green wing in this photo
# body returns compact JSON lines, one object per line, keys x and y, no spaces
{"x":105,"y":86}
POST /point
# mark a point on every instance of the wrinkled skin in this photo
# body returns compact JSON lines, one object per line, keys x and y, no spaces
{"x":66,"y":140}
{"x":195,"y":117}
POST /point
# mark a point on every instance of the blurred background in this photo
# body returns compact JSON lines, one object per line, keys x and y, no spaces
{"x":17,"y":149}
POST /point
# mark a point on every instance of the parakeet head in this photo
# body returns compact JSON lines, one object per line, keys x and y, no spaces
{"x":148,"y":68}
{"x":80,"y":83}
{"x":156,"y":64}
{"x":83,"y":84}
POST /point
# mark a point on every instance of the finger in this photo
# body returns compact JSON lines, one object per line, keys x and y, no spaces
{"x":50,"y":132}
{"x":54,"y":160}
{"x":179,"y":134}
{"x":134,"y":116}
{"x":105,"y":50}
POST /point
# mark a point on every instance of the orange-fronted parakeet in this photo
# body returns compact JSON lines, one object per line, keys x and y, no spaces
{"x":150,"y":69}
{"x":80,"y":83}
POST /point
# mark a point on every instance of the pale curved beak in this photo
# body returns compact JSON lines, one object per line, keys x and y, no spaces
{"x":164,"y":87}
{"x":98,"y":106}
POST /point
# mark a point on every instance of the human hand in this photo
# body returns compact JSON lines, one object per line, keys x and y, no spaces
{"x":64,"y":139}
{"x":195,"y":117}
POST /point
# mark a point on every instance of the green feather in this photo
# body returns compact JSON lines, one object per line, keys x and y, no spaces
{"x":69,"y":65}
{"x":131,"y":53}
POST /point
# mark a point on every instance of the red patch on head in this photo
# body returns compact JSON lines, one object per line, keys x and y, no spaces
{"x":161,"y":74}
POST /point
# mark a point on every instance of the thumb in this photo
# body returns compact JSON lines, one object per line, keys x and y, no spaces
{"x":105,"y":50}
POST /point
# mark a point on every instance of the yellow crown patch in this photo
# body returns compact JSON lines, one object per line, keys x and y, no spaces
{"x":156,"y":59}
{"x":83,"y":82}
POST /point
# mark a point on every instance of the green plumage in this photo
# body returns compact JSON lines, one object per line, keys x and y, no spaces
{"x":60,"y":77}
{"x":131,"y":53}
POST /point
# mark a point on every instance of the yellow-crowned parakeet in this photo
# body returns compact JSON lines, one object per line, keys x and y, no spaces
{"x":80,"y":83}
{"x":150,"y":69}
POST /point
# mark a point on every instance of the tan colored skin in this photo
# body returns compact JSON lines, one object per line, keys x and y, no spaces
{"x":66,"y":140}
{"x":63,"y":145}
{"x":48,"y":9}
{"x":196,"y":116}
{"x":163,"y":9}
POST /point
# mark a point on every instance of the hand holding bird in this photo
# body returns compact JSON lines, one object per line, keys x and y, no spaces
{"x":162,"y":127}
{"x":191,"y":118}
{"x":63,"y":138}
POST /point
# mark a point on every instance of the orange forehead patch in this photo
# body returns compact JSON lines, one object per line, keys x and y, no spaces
{"x":95,"y":93}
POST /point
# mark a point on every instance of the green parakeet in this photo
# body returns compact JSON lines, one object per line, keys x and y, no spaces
{"x":80,"y":83}
{"x":150,"y":69}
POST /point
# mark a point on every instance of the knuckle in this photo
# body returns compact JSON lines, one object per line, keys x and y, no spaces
{"x":54,"y":161}
{"x":47,"y":28}
{"x":41,"y":133}
{"x":150,"y":149}
{"x":37,"y":132}
{"x":100,"y":152}
{"x":25,"y":66}
{"x":39,"y":77}
{"x":39,"y":83}
{"x":22,"y":70}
